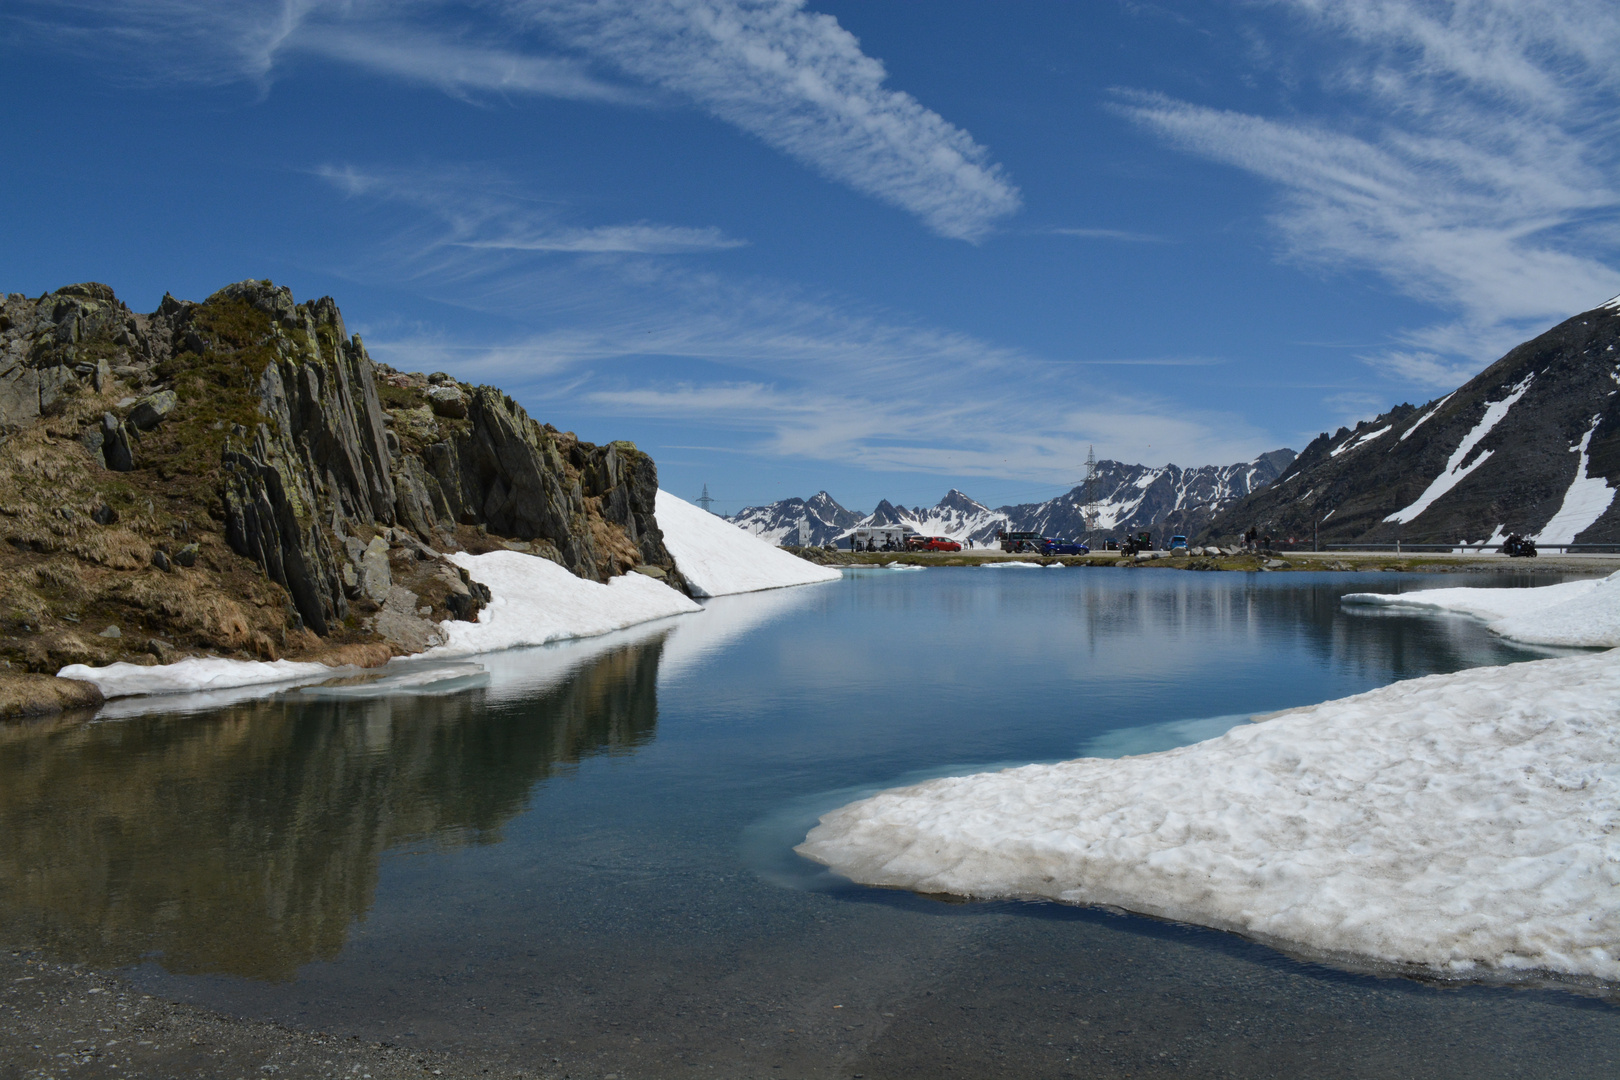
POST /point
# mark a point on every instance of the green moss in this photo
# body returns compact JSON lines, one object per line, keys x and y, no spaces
{"x":400,"y":397}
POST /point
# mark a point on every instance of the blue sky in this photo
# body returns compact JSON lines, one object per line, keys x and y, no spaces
{"x":880,"y":248}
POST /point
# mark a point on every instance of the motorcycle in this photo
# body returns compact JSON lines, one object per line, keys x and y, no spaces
{"x":1517,"y":547}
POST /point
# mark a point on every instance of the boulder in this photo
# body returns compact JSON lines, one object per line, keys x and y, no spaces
{"x":153,"y":409}
{"x":43,"y":695}
{"x":448,"y":401}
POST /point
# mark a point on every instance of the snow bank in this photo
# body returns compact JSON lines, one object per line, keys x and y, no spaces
{"x":1009,"y":562}
{"x":718,"y":559}
{"x":1457,"y":824}
{"x":192,"y":675}
{"x":1583,"y":614}
{"x":536,"y":601}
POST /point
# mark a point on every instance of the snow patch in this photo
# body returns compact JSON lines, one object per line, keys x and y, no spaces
{"x":718,"y":559}
{"x":536,"y":601}
{"x":1425,"y":417}
{"x":1010,"y":562}
{"x":1587,"y":499}
{"x":1458,"y":824}
{"x":1360,"y":440}
{"x":198,"y":673}
{"x":1576,"y":614}
{"x":1455,"y":471}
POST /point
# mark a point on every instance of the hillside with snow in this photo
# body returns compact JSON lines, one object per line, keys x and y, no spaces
{"x":1129,"y":498}
{"x":1531,"y":445}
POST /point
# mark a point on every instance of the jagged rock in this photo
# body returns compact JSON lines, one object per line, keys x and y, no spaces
{"x":265,"y":414}
{"x":55,"y":383}
{"x":153,"y":409}
{"x":160,"y":559}
{"x":19,"y":393}
{"x":376,"y":578}
{"x":117,"y":444}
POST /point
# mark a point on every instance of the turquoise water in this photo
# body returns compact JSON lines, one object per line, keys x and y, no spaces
{"x":587,"y":856}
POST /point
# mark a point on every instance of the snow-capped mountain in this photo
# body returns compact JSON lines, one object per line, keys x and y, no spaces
{"x":780,"y":522}
{"x":1529,"y":445}
{"x":1130,"y":498}
{"x":1136,"y":498}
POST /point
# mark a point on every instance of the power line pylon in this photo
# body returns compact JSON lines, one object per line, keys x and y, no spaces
{"x":1089,"y":510}
{"x":704,"y":500}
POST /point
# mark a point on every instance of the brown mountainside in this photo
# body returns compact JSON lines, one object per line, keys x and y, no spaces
{"x":237,"y":476}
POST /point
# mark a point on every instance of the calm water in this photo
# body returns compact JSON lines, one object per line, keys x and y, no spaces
{"x":586,"y":856}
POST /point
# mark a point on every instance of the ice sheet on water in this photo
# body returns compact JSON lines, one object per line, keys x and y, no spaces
{"x":1581,"y":614}
{"x":1009,"y":562}
{"x":1459,"y":824}
{"x":1151,"y":738}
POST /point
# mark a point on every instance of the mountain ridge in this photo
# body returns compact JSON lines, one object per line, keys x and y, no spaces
{"x":1129,"y":498}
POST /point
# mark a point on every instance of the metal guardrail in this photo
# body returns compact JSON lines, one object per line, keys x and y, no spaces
{"x":1481,"y":549}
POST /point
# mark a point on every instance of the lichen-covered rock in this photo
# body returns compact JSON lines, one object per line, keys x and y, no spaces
{"x":153,"y":409}
{"x":258,"y":426}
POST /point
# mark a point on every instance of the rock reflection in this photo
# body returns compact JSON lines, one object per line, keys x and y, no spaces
{"x":245,"y":842}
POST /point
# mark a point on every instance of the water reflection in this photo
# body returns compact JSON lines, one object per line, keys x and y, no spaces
{"x":247,"y":841}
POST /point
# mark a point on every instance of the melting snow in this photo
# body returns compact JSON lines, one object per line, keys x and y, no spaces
{"x":717,"y":558}
{"x":195,"y":674}
{"x":1460,"y":824}
{"x":1586,"y":500}
{"x":537,"y":601}
{"x":1455,"y":471}
{"x":1581,"y":614}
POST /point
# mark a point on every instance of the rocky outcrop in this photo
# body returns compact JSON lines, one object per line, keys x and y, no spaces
{"x":44,"y":695}
{"x":262,"y":422}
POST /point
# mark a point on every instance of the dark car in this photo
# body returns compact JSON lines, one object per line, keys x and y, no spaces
{"x":1065,"y":547}
{"x":1020,"y":541}
{"x":940,"y":543}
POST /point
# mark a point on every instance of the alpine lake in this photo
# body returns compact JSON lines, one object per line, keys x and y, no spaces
{"x":581,"y":864}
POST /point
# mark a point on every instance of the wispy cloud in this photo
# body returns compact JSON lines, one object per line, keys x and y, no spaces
{"x":792,"y":78}
{"x":795,"y":374}
{"x":1483,"y":183}
{"x":1110,"y":234}
{"x":801,"y":83}
{"x":640,"y":238}
{"x":484,"y":212}
{"x":225,"y":41}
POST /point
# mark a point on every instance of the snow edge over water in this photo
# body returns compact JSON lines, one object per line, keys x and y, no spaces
{"x":1456,"y":825}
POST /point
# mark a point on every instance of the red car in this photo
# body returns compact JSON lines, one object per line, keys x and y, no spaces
{"x":939,"y":543}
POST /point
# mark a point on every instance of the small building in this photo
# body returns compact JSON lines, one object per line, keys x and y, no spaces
{"x":881,"y":537}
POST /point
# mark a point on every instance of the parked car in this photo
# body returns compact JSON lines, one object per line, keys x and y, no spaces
{"x":1020,"y":541}
{"x":1065,"y":547}
{"x":940,"y":543}
{"x":1177,"y":542}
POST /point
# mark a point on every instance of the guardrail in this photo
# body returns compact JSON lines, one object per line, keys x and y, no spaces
{"x":1482,"y":549}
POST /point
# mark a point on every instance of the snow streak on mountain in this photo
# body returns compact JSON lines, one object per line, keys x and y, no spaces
{"x":1130,"y":498}
{"x":1530,"y":445}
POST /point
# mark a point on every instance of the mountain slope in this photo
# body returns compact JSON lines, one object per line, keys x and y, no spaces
{"x":1130,"y":498}
{"x":1530,"y":445}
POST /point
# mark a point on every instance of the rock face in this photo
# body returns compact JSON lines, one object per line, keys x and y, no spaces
{"x":1530,"y":445}
{"x":340,"y":479}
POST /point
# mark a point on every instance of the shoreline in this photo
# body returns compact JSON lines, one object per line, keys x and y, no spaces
{"x":1438,"y":562}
